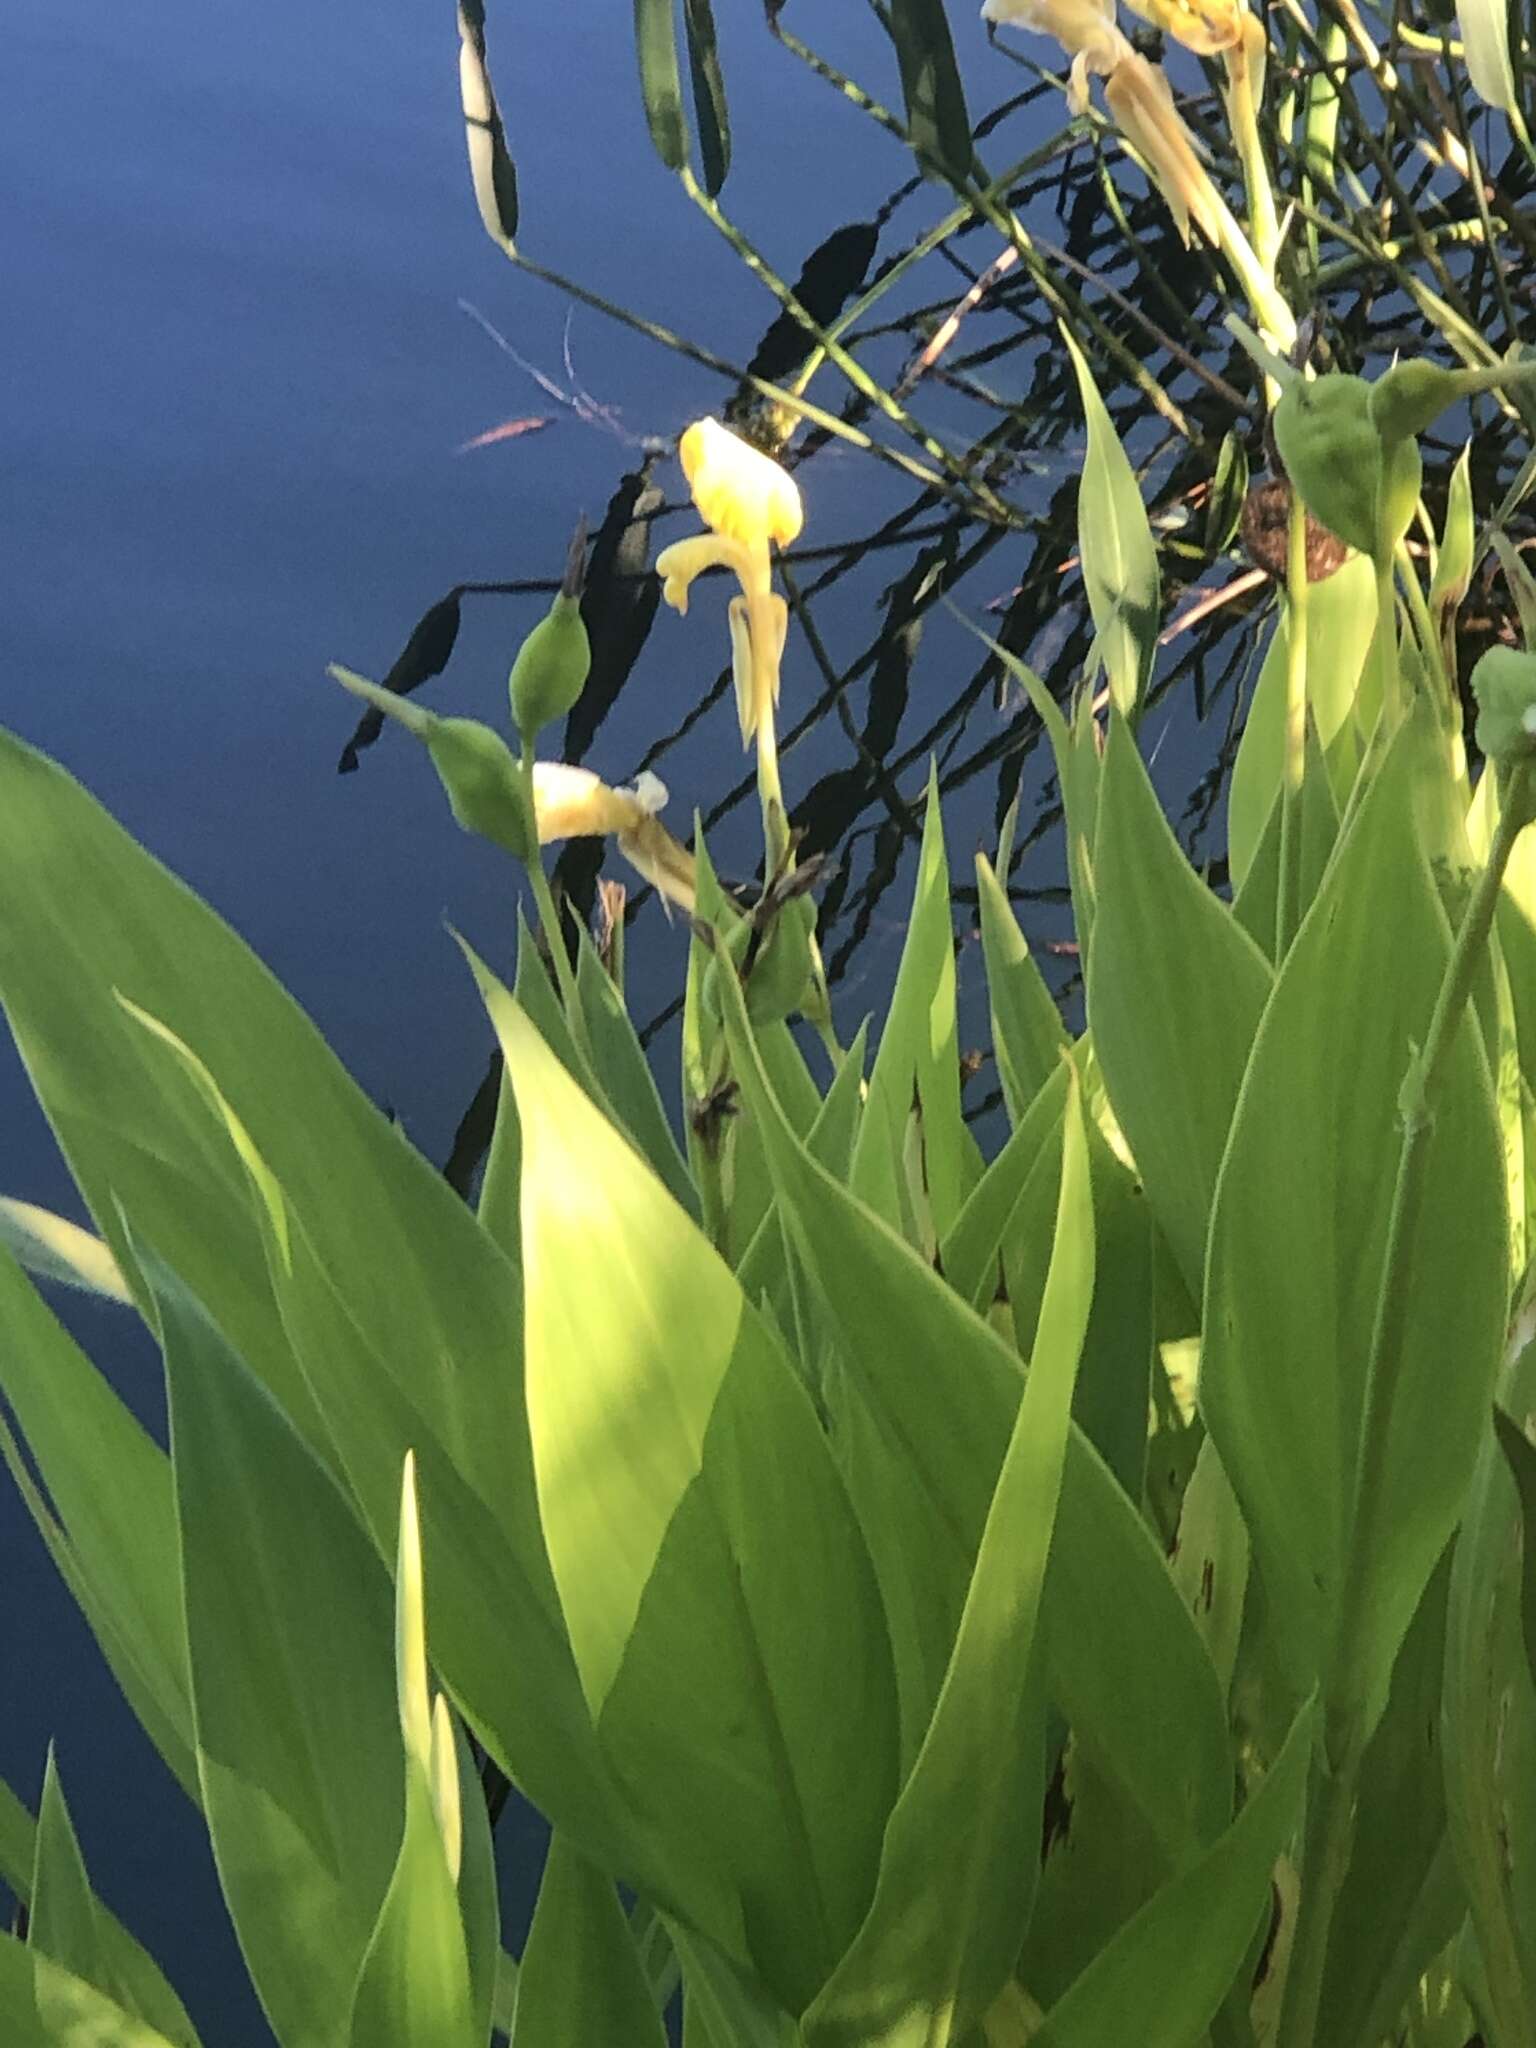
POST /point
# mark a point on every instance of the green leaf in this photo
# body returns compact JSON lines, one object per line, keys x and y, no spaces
{"x":1229,"y":490}
{"x":1256,"y":906}
{"x":112,"y":1529}
{"x":664,"y":1464}
{"x":1305,"y":1190}
{"x":971,"y":1257}
{"x":937,"y":121}
{"x":709,"y":108}
{"x":660,"y":85}
{"x":1114,"y":537}
{"x":1489,"y":1717}
{"x":490,"y":163}
{"x":413,"y":1988}
{"x":581,"y":1978}
{"x":922,"y":1449}
{"x":953,"y":1893}
{"x":63,"y":1925}
{"x":43,"y":2005}
{"x":1401,"y":1901}
{"x":1520,"y":1456}
{"x":1028,"y":1035}
{"x":628,"y":1083}
{"x":1210,"y":1561}
{"x":479,"y":1902}
{"x":919,"y":1048}
{"x":289,"y":1633}
{"x":1175,"y":990}
{"x":1454,"y":561}
{"x":1341,"y":618}
{"x":1173,"y":1964}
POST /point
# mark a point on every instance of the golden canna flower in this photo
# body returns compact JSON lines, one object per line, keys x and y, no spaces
{"x":1205,"y":26}
{"x":740,"y":492}
{"x":573,"y":803}
{"x":750,"y":504}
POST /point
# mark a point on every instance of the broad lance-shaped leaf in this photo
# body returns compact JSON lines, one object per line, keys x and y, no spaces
{"x":922,"y":1450}
{"x":709,"y":109}
{"x":288,"y":1630}
{"x":490,"y":164}
{"x":627,"y":1078}
{"x":1119,"y":556}
{"x":1489,"y":1715}
{"x":1298,"y":1239}
{"x":673,"y":1446}
{"x":1175,"y":991}
{"x":661,"y":87}
{"x":43,"y":2005}
{"x":919,"y":1048}
{"x":141,"y":1989}
{"x":581,"y":1978}
{"x":953,"y":1892}
{"x":1173,"y":1964}
{"x":111,"y":1528}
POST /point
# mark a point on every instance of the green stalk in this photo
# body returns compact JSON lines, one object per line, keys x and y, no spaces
{"x":1336,"y":1767}
{"x":1288,"y":894}
{"x":1263,"y":226}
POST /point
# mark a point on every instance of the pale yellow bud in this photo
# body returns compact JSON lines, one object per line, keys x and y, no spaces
{"x":1141,"y":101}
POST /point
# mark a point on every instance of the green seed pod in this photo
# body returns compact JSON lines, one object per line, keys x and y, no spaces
{"x":1332,"y":454}
{"x":1410,"y":397}
{"x":550,"y":671}
{"x":484,"y":783}
{"x":1504,"y":684}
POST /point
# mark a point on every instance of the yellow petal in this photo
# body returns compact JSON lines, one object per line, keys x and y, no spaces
{"x":665,"y":863}
{"x":742,"y":494}
{"x":678,"y":565}
{"x":573,"y":803}
{"x":741,"y":668}
{"x":1204,"y":26}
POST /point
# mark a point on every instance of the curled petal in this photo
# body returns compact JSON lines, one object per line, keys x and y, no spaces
{"x":741,"y":493}
{"x":573,"y":803}
{"x":679,"y":564}
{"x":741,"y":668}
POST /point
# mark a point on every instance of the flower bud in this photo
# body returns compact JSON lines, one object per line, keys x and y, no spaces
{"x":1332,"y":454}
{"x":1504,"y":684}
{"x":550,"y":671}
{"x":484,"y":783}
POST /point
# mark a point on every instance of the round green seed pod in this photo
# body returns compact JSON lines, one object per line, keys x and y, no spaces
{"x":484,"y":783}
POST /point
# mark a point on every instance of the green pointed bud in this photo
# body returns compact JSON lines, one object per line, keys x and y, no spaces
{"x":1332,"y":454}
{"x":550,"y":671}
{"x":486,"y":790}
{"x":1504,"y":684}
{"x":1412,"y":396}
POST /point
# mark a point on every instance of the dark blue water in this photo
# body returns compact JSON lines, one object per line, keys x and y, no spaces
{"x":236,"y":375}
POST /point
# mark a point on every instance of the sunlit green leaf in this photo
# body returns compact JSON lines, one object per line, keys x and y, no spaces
{"x":1485,"y":40}
{"x":1120,"y":571}
{"x":665,"y":1465}
{"x":953,"y":1893}
{"x":413,"y":1988}
{"x":1175,"y":990}
{"x":1028,"y":1036}
{"x":581,"y":1979}
{"x":43,"y":2005}
{"x":1315,"y":1144}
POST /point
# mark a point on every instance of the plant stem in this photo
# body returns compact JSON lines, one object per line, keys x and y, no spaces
{"x":549,"y":917}
{"x":1263,"y":227}
{"x":1336,"y":1766}
{"x":1288,"y":893}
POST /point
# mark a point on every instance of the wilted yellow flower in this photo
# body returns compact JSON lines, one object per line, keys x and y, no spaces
{"x":1205,"y":26}
{"x":1141,"y":101}
{"x":749,"y":503}
{"x":573,"y":803}
{"x":1085,"y":29}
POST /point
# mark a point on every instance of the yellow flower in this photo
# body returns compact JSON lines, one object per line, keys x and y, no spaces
{"x":1205,"y":26}
{"x":749,"y":503}
{"x":572,"y":803}
{"x":1085,"y":29}
{"x":740,"y":492}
